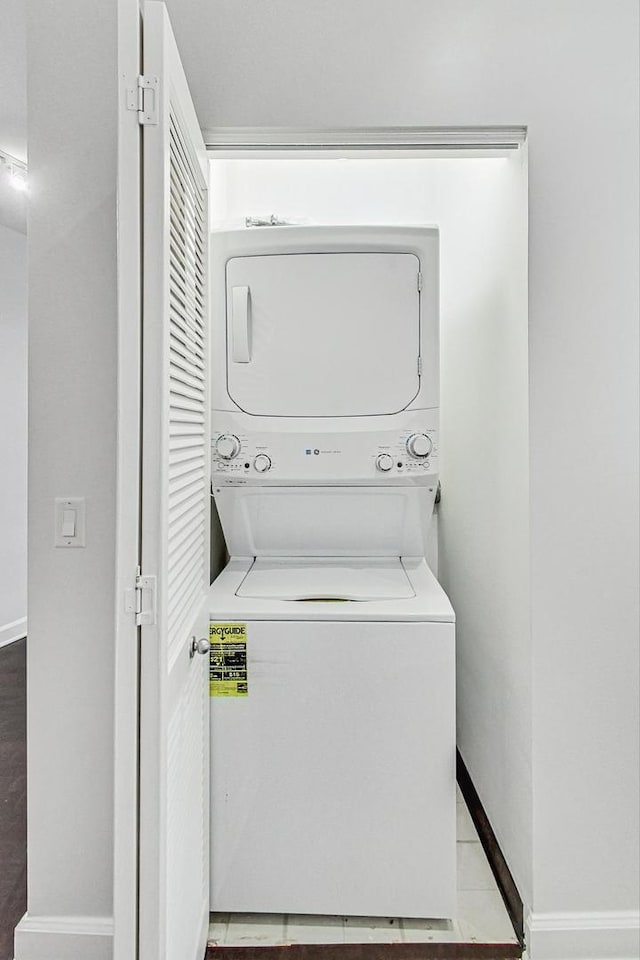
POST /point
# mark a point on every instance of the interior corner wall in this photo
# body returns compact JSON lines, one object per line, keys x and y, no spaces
{"x":484,"y":510}
{"x":13,"y":435}
{"x":72,"y":129}
{"x":568,"y":70}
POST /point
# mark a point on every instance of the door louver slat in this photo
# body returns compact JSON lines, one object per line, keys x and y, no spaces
{"x":181,"y":389}
{"x":179,"y":376}
{"x":184,"y":273}
{"x":187,"y":412}
{"x":182,"y":199}
{"x":190,"y":213}
{"x":182,"y":443}
{"x":182,"y":356}
{"x":182,"y":461}
{"x":182,"y":169}
{"x":182,"y":540}
{"x":189,"y":591}
{"x":184,"y":238}
{"x":177,"y":526}
{"x":178,"y":509}
{"x":189,"y":337}
{"x":184,"y":302}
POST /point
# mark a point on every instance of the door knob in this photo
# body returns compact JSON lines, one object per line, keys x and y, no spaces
{"x":199,"y":646}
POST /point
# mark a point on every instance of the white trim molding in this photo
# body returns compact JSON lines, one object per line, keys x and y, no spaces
{"x":64,"y":938}
{"x":15,"y":630}
{"x":126,"y":667}
{"x":365,"y":139}
{"x":611,"y":935}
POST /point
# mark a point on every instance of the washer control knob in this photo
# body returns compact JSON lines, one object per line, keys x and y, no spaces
{"x":419,"y":445}
{"x":227,"y":446}
{"x":384,"y":462}
{"x":262,"y":463}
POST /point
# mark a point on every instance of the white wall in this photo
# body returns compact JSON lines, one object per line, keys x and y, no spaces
{"x":73,"y":101}
{"x":13,"y":434}
{"x":484,"y":513}
{"x":569,"y":70}
{"x":480,"y":207}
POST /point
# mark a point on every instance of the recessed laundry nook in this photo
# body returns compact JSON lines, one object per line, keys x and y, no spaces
{"x":369,"y":344}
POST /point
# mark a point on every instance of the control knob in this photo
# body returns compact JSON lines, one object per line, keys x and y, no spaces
{"x":384,"y":462}
{"x":419,"y":445}
{"x":227,"y":446}
{"x":262,"y":463}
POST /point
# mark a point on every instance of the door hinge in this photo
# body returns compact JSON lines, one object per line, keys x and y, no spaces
{"x":419,"y":366}
{"x":143,"y":98}
{"x":141,"y":600}
{"x":419,"y":280}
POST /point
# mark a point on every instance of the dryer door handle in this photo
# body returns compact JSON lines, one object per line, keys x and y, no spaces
{"x":240,"y":325}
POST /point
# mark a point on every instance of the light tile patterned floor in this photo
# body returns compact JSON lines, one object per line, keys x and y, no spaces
{"x":481,"y":916}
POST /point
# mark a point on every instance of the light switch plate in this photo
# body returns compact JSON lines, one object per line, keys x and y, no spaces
{"x":62,"y":506}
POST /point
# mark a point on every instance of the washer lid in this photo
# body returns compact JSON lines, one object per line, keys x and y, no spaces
{"x":326,"y":578}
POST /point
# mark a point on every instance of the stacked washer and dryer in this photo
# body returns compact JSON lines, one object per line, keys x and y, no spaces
{"x":333,"y":645}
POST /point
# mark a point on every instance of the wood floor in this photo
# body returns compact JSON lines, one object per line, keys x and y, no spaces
{"x":13,"y":792}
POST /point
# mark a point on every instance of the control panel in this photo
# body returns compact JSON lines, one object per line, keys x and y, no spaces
{"x":413,"y":454}
{"x":370,"y":456}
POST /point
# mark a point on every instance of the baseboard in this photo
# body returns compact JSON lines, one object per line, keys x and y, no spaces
{"x":497,"y":862}
{"x":64,"y":938}
{"x":613,"y":935}
{"x":15,"y":630}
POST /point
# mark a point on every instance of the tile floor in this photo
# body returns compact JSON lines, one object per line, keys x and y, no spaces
{"x":481,"y":917}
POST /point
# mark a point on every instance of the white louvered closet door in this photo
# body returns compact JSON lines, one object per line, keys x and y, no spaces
{"x":174,"y":808}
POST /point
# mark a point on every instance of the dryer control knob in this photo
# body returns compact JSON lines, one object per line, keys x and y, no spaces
{"x":384,"y":462}
{"x":262,"y":463}
{"x":419,"y":445}
{"x":227,"y":446}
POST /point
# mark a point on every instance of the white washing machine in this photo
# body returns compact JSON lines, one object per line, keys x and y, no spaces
{"x":333,"y":777}
{"x":333,"y":648}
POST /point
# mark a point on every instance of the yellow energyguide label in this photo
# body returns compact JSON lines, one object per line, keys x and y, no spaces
{"x":228,"y":660}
